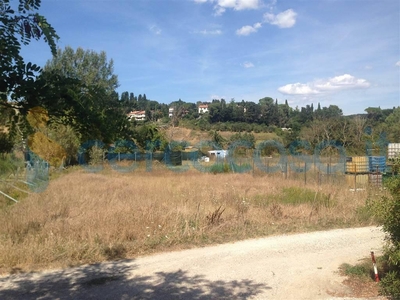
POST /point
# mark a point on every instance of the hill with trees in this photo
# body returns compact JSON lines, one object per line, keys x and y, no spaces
{"x":77,"y":90}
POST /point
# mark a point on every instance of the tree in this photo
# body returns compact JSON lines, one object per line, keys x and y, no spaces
{"x":215,"y":111}
{"x":80,"y":91}
{"x":125,"y":97}
{"x":217,"y":138}
{"x":150,"y":138}
{"x":92,"y":68}
{"x":333,"y":111}
{"x":358,"y":124}
{"x":318,"y":112}
{"x":392,"y":124}
{"x":246,"y":138}
{"x":284,"y":115}
{"x":18,"y":27}
{"x":306,"y":114}
{"x":252,"y":113}
{"x":266,"y":109}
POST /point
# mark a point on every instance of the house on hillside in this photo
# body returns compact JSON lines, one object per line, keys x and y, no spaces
{"x":137,"y":115}
{"x":203,"y":108}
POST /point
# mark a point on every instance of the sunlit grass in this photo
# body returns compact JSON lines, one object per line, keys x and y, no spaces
{"x":85,"y":217}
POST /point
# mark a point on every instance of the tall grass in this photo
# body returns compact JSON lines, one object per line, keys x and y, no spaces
{"x":86,"y":218}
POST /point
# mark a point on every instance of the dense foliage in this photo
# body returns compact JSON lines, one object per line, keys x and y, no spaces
{"x":389,"y":211}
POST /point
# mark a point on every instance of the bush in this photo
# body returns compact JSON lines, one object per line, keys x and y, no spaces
{"x":6,"y":143}
{"x":96,"y":155}
{"x":388,"y":212}
{"x":220,"y":168}
{"x":390,"y":285}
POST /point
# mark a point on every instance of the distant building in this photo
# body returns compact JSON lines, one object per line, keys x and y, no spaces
{"x":203,"y":108}
{"x":137,"y":115}
{"x":218,"y":153}
{"x":393,"y":150}
{"x":171,"y":112}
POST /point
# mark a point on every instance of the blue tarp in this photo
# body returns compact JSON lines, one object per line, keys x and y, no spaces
{"x":377,"y":164}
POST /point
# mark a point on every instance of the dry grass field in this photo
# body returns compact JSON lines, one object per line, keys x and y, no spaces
{"x":86,"y":217}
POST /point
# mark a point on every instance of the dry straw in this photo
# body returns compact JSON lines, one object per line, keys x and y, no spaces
{"x":86,"y":218}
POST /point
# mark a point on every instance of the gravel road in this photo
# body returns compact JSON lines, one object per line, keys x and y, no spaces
{"x":298,"y":266}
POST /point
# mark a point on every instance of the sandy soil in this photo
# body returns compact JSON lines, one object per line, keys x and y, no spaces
{"x":300,"y":266}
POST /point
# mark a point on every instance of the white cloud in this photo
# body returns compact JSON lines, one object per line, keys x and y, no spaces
{"x":246,"y":30}
{"x":219,"y":10}
{"x":271,"y":5}
{"x":345,"y":81}
{"x":154,"y":29}
{"x":284,"y":19}
{"x":248,"y":64}
{"x":297,"y":89}
{"x":210,"y":32}
{"x":221,"y":5}
{"x":238,"y":4}
{"x":337,"y":83}
{"x":398,"y":63}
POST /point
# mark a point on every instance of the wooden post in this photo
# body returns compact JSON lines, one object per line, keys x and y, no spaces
{"x":355,"y":177}
{"x":286,"y":170}
{"x":327,"y":173}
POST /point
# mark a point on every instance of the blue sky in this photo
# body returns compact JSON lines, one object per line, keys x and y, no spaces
{"x":340,"y":52}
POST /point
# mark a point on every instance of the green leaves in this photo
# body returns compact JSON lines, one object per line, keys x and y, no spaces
{"x":18,"y":79}
{"x":92,"y":68}
{"x":27,"y":5}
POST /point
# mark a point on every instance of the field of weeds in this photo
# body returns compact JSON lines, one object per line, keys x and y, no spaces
{"x":86,"y":217}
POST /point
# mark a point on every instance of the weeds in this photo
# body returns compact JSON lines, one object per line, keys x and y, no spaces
{"x":363,"y":269}
{"x":214,"y":218}
{"x":86,"y":218}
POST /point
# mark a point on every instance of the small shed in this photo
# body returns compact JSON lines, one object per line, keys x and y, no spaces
{"x":218,"y":153}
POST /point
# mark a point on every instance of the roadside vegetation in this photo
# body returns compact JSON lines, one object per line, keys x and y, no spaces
{"x":386,"y":210}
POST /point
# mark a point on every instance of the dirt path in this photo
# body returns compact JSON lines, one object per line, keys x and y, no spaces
{"x":301,"y":266}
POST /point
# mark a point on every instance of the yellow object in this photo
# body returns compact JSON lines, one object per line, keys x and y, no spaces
{"x":358,"y":164}
{"x":356,"y":180}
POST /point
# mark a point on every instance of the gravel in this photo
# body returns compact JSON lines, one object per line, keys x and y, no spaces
{"x":296,"y":266}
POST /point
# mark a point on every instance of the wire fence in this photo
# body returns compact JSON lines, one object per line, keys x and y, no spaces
{"x":355,"y":173}
{"x":351,"y":172}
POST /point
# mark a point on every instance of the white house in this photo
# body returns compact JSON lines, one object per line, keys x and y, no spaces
{"x":203,"y":108}
{"x":171,"y":112}
{"x":138,"y":115}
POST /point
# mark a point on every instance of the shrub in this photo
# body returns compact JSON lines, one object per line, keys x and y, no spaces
{"x":388,"y":212}
{"x":96,"y":155}
{"x":220,"y":168}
